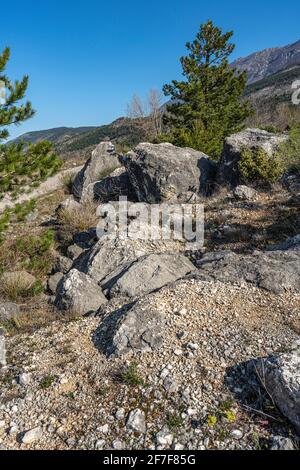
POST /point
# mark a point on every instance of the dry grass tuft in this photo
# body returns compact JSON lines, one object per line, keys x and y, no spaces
{"x":80,"y":219}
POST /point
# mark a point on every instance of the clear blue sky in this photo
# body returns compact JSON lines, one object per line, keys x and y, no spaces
{"x":87,"y":58}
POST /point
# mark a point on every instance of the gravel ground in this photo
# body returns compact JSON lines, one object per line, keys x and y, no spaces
{"x":199,"y":391}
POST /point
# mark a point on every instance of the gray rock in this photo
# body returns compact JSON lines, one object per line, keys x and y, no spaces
{"x":53,"y":282}
{"x":228,"y":172}
{"x":62,"y":265}
{"x":147,"y":274}
{"x":24,"y":379}
{"x":9,"y":310}
{"x":79,"y":293}
{"x":115,"y":253}
{"x":74,"y":251}
{"x":136,"y":421}
{"x":2,"y":348}
{"x":244,"y":193}
{"x":281,"y":443}
{"x":275,"y":271}
{"x":102,"y":162}
{"x":69,"y":204}
{"x":164,"y":172}
{"x":139,"y":329}
{"x":164,"y":438}
{"x":289,"y":244}
{"x":32,"y":436}
{"x":110,"y":188}
{"x":280,"y":375}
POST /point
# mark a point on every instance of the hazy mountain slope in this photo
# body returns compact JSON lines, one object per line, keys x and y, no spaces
{"x":53,"y":135}
{"x":269,"y":61}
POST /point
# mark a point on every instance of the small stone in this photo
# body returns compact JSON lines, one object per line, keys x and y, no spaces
{"x":24,"y":379}
{"x":170,"y":385}
{"x":120,"y":414}
{"x":136,"y":421}
{"x":178,"y":446}
{"x":100,"y":444}
{"x":164,"y":438}
{"x":118,"y":445}
{"x":104,"y":429}
{"x":236,"y":434}
{"x":32,"y":436}
{"x":192,"y":346}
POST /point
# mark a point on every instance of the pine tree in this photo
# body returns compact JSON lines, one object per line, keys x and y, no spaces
{"x":206,"y":106}
{"x":20,"y":165}
{"x":10,"y":111}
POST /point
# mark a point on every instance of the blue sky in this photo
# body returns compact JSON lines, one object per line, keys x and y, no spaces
{"x":87,"y":58}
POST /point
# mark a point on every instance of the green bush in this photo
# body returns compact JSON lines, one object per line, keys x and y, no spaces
{"x":290,"y":150}
{"x":256,"y":166}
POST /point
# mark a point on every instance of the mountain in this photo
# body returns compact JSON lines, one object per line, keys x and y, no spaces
{"x":77,"y":142}
{"x":269,"y":61}
{"x":271,"y":73}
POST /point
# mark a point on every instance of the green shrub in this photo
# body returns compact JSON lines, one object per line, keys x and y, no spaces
{"x":256,"y":166}
{"x":290,"y":150}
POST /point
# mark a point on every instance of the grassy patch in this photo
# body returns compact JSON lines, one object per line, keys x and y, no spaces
{"x":130,"y":376}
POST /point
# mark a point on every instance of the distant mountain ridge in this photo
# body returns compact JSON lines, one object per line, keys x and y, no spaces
{"x":270,"y":75}
{"x":260,"y":65}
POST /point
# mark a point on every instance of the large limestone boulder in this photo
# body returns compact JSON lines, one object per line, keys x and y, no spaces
{"x":103,"y":161}
{"x":78,"y":293}
{"x":164,"y":172}
{"x":110,"y":188}
{"x":280,"y":375}
{"x":228,"y":172}
{"x":147,"y":274}
{"x":113,"y":253}
{"x":275,"y":271}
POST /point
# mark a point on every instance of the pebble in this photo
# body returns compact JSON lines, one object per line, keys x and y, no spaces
{"x":32,"y":436}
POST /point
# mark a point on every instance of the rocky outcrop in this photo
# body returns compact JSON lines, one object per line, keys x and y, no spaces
{"x":228,"y":172}
{"x":280,"y":376}
{"x":113,"y":253}
{"x":110,"y":188}
{"x":139,"y":329}
{"x":275,"y":271}
{"x":79,"y":294}
{"x":164,"y":172}
{"x":103,"y":161}
{"x":147,"y":274}
{"x":289,"y":244}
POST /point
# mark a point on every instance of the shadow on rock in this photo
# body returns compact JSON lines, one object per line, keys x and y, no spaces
{"x":103,"y":336}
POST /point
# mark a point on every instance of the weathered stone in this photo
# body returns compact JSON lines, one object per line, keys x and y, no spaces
{"x":32,"y":436}
{"x":74,"y":251}
{"x":53,"y":282}
{"x":289,"y":244}
{"x":62,"y":265}
{"x":102,"y":162}
{"x":147,"y":274}
{"x":275,"y":271}
{"x":280,"y":375}
{"x":281,"y":443}
{"x":113,"y":253}
{"x":136,"y":421}
{"x":79,"y":293}
{"x":244,"y":193}
{"x":228,"y":172}
{"x":164,"y":172}
{"x":2,"y":348}
{"x":137,"y":329}
{"x":110,"y":188}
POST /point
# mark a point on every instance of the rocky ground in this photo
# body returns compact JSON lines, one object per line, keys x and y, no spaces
{"x":143,"y":345}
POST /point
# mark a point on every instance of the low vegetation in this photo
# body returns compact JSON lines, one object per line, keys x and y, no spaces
{"x":257,"y":166}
